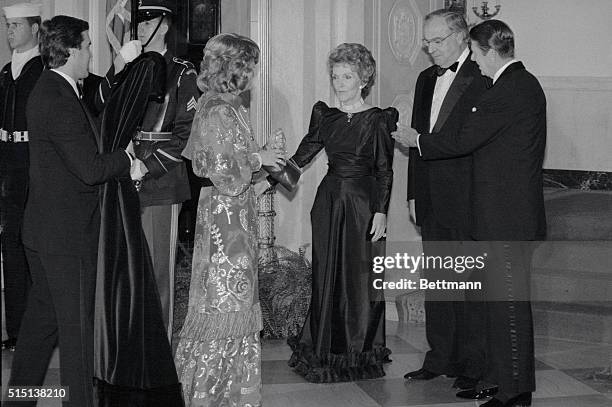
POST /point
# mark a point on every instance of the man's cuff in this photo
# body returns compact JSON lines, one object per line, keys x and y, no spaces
{"x":419,"y":144}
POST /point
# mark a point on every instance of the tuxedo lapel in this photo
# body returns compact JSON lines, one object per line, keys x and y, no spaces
{"x":92,"y":124}
{"x":68,"y":92}
{"x":462,"y":81}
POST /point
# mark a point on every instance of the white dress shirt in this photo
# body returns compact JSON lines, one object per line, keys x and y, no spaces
{"x":502,"y":69}
{"x":443,"y":84}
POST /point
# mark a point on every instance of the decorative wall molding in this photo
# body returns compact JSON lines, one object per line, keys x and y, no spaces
{"x":405,"y":23}
{"x":579,"y":122}
{"x":262,"y":100}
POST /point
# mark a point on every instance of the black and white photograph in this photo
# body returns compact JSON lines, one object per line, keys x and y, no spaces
{"x":294,"y":203}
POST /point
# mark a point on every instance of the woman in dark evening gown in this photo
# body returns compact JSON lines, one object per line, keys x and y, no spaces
{"x":343,"y":337}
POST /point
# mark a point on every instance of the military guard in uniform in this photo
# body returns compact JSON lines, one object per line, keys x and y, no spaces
{"x":17,"y":80}
{"x":163,"y":135}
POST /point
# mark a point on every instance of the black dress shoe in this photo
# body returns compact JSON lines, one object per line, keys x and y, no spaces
{"x":9,"y":344}
{"x":478,"y":394}
{"x":465,"y":383}
{"x":522,"y":400}
{"x":421,"y":374}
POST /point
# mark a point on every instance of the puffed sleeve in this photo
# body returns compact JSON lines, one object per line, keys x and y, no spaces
{"x":383,"y":155}
{"x":221,"y":148}
{"x":311,"y":143}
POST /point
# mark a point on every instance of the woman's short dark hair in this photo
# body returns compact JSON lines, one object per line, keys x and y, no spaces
{"x":57,"y":36}
{"x":494,"y":34}
{"x":359,"y":58}
{"x":228,"y":64}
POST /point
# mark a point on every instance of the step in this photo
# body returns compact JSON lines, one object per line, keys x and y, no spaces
{"x":569,"y":285}
{"x":592,"y":256}
{"x":588,"y":321}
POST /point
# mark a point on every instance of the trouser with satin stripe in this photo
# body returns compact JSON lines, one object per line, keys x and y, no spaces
{"x":509,"y":324}
{"x":160,"y":226}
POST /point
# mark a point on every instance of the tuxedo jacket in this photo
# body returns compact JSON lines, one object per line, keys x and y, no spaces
{"x":62,"y":214}
{"x":441,"y":188}
{"x":506,"y":135}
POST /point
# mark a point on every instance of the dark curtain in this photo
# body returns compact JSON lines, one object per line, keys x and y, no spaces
{"x":133,"y":360}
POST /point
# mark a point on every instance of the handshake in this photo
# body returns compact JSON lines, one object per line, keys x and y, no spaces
{"x":273,"y":157}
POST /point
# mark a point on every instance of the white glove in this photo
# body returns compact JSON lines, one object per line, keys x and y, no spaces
{"x":130,"y":50}
{"x":138,"y":170}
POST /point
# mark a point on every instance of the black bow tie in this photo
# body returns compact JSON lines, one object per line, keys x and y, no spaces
{"x":441,"y":71}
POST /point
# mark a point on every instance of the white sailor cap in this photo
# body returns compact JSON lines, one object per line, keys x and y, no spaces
{"x":22,"y":10}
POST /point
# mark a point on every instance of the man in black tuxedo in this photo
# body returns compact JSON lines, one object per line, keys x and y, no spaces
{"x":444,"y":95}
{"x":506,"y":135}
{"x":62,"y":216}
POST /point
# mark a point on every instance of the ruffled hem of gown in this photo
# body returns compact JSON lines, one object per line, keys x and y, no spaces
{"x":333,"y":368}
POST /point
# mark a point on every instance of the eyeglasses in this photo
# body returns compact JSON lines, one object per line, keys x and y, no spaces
{"x":435,"y":41}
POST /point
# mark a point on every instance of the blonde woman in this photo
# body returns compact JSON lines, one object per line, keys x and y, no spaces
{"x":219,"y":355}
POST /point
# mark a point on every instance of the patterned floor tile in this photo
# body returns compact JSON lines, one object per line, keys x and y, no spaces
{"x":577,"y":401}
{"x":323,"y":395}
{"x":414,"y":334}
{"x":594,"y":378}
{"x":400,"y":346}
{"x":554,"y":383}
{"x":271,"y":389}
{"x":403,"y":364}
{"x":275,"y":349}
{"x":401,"y":392}
{"x":539,"y":365}
{"x":591,"y":357}
{"x":545,"y":345}
{"x":458,"y":404}
{"x":278,"y":372}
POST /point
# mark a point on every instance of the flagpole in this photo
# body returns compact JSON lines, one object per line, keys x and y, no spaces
{"x":133,"y":22}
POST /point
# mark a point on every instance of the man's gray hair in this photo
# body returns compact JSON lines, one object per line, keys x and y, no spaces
{"x":455,"y":21}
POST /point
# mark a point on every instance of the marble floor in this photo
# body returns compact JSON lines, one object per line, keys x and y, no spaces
{"x":567,"y":376}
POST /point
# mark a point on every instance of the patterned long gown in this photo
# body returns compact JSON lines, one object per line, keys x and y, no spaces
{"x":218,"y":358}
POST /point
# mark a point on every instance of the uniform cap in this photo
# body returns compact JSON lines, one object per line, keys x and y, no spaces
{"x":150,"y":9}
{"x":22,"y":10}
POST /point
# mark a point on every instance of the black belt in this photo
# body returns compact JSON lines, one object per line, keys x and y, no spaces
{"x":14,"y":137}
